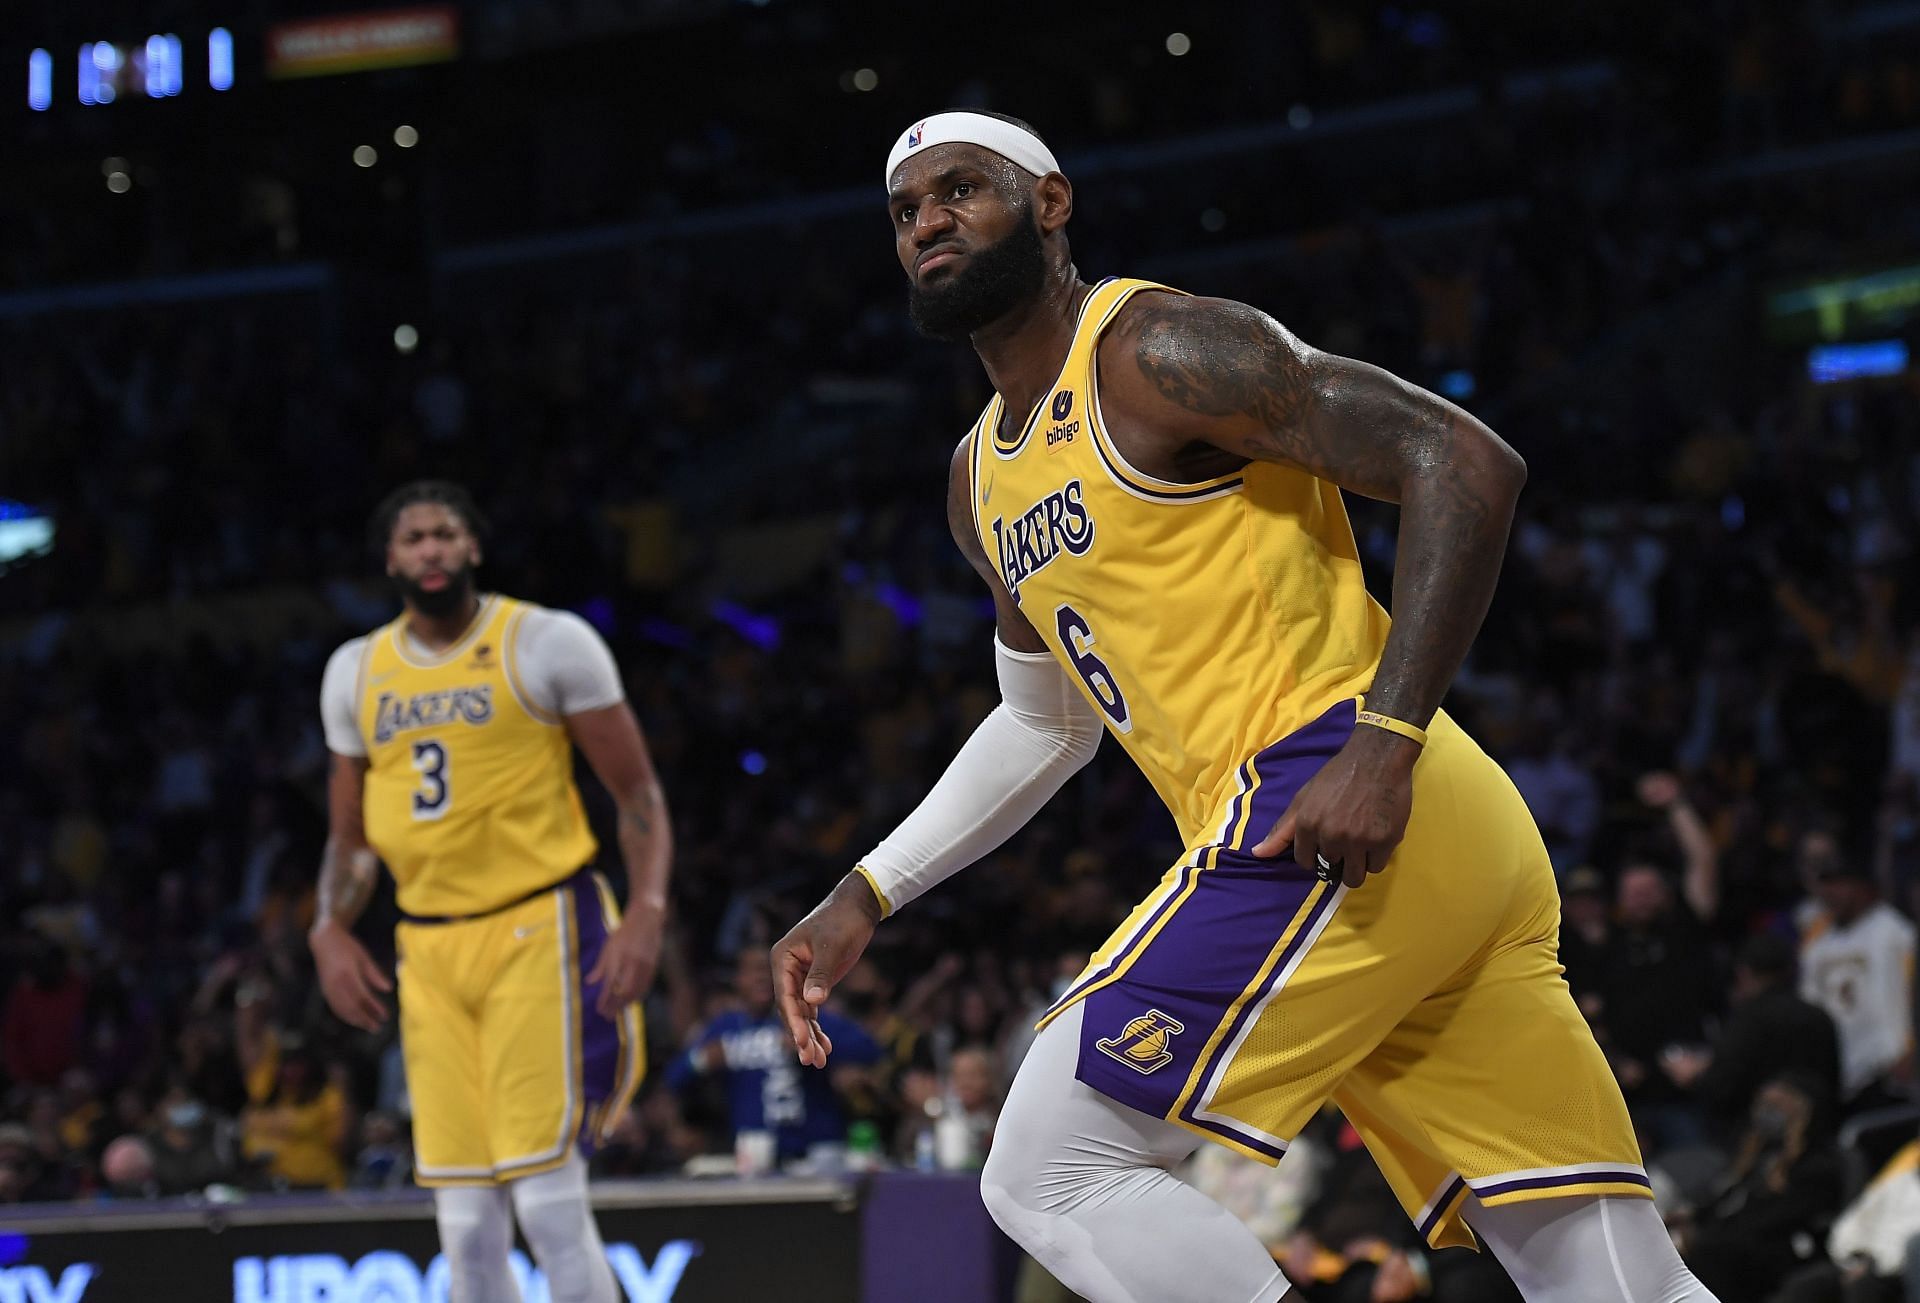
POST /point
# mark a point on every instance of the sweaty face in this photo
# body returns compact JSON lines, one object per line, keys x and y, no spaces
{"x":430,"y":558}
{"x":965,"y":231}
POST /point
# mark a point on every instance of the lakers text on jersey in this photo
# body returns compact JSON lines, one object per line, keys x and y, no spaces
{"x":470,"y":798}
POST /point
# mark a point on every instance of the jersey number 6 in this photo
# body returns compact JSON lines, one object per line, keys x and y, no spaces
{"x":1077,"y":637}
{"x":430,"y":799}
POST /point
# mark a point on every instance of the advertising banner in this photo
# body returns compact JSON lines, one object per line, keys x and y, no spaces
{"x":709,"y":1251}
{"x":390,"y":38}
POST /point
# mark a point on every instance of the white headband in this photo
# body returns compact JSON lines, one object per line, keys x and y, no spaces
{"x":1012,"y":143}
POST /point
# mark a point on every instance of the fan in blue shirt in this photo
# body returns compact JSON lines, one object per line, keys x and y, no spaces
{"x":767,"y":1086}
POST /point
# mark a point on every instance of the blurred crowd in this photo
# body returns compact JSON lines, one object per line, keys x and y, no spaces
{"x":1702,"y":671}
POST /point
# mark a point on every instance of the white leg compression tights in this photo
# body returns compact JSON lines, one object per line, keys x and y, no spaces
{"x":1591,"y":1249}
{"x":1081,"y":1183}
{"x":476,"y":1234}
{"x":558,"y":1223}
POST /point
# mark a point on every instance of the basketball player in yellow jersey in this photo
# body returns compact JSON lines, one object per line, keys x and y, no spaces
{"x":452,"y":731}
{"x":1364,"y":911}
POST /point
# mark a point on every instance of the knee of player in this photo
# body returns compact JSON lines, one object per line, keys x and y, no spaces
{"x":475,"y":1228}
{"x":1022,"y":1182}
{"x":1007,"y":1197}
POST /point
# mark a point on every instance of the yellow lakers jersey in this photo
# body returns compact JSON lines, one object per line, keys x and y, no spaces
{"x":1204,"y":621}
{"x":469,"y":794}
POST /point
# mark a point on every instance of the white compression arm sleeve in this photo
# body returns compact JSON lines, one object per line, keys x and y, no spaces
{"x":1041,"y":734}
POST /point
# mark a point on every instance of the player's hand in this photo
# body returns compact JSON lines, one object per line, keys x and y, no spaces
{"x":348,"y":976}
{"x":817,"y":953}
{"x":629,"y":959}
{"x":1354,"y":811}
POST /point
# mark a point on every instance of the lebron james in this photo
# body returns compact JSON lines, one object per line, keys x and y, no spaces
{"x":1364,"y":911}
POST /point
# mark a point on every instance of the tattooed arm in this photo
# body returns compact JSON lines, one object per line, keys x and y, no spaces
{"x":610,"y":739}
{"x":349,"y":978}
{"x":1220,"y":373}
{"x":1211,"y":374}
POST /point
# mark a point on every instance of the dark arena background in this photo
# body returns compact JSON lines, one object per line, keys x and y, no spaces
{"x":622,"y":267}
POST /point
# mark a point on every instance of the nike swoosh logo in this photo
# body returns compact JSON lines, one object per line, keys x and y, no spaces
{"x":378,"y":679}
{"x":986,"y":494}
{"x":522,"y":933}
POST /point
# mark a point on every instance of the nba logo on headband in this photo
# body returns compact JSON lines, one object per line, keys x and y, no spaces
{"x":1014,"y":143}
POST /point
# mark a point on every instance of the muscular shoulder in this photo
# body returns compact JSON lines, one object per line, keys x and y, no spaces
{"x":1186,"y":361}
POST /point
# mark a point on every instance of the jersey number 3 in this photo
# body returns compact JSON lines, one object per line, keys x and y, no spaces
{"x":1076,"y":636}
{"x":430,"y":798}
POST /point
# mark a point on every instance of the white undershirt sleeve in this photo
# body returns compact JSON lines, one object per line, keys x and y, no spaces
{"x":564,"y":664}
{"x":340,"y":700}
{"x":1041,"y":734}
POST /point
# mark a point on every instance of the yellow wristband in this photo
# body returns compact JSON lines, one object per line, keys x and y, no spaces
{"x":886,"y":906}
{"x":1412,"y":732}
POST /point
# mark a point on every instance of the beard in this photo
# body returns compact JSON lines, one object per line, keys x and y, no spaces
{"x":991,"y":283}
{"x":439,"y":603}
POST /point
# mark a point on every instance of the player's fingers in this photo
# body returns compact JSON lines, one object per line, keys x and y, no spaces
{"x":599,"y":970}
{"x":626,"y":985}
{"x":787,"y":968}
{"x":808,"y":1044}
{"x":820,"y":975}
{"x":1279,"y":839}
{"x":802,"y":1033}
{"x":611,"y":999}
{"x":373,"y":974}
{"x":1307,"y":849}
{"x":368,"y":1014}
{"x":1378,"y":856}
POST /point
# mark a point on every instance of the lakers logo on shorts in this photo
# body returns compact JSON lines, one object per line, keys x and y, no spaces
{"x":1142,"y":1045}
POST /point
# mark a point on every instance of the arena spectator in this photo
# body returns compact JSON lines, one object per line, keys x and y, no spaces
{"x":385,"y":1160}
{"x":192,"y":1149}
{"x":297,"y":1117}
{"x":1585,"y":930}
{"x":1770,"y":1033}
{"x":126,"y":1166}
{"x":44,"y":1025}
{"x":1860,"y":970}
{"x":1779,"y":1196}
{"x":1660,"y":986}
{"x":1873,"y":1251}
{"x":748,"y":1050}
